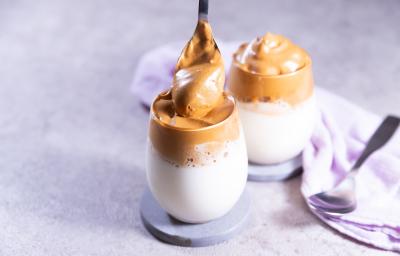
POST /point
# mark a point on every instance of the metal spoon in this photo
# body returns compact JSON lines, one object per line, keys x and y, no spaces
{"x":203,"y":9}
{"x":342,"y":198}
{"x":199,"y":78}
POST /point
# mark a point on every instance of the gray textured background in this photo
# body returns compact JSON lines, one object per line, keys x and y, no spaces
{"x":72,"y":137}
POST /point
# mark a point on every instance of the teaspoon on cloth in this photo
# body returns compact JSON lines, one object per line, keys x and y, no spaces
{"x":342,"y":198}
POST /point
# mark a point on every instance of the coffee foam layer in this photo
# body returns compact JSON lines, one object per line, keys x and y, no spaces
{"x":202,"y":156}
{"x":164,"y":110}
{"x":271,"y":55}
{"x":178,"y":139}
{"x":275,"y":108}
{"x":269,"y":69}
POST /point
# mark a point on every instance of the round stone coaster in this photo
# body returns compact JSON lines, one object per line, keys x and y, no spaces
{"x":275,"y":172}
{"x":166,"y":228}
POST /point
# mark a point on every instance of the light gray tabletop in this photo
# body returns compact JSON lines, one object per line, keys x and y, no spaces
{"x":72,"y":136}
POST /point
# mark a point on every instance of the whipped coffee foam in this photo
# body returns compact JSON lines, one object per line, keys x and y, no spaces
{"x":199,"y":79}
{"x":195,"y":113}
{"x":269,"y":69}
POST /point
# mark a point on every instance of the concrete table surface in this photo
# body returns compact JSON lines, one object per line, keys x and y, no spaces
{"x":72,"y":137}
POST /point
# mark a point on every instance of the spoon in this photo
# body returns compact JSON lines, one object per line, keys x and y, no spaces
{"x":199,"y":77}
{"x":203,"y":9}
{"x":342,"y":198}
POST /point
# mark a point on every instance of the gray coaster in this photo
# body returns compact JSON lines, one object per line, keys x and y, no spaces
{"x":275,"y":172}
{"x":170,"y":230}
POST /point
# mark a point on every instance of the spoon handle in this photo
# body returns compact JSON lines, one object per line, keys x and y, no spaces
{"x":203,"y":9}
{"x":378,"y":139}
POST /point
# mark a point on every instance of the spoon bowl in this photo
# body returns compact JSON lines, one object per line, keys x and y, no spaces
{"x":340,"y":200}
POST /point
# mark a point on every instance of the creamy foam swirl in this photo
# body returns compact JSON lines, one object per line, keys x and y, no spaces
{"x":271,"y":69}
{"x":271,"y":55}
{"x":199,"y":79}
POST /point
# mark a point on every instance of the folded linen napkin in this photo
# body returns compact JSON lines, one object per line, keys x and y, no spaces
{"x":339,"y":138}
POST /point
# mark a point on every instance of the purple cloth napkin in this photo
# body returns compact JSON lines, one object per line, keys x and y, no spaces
{"x":339,"y":138}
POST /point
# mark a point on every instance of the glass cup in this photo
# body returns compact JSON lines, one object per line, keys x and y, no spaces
{"x":277,"y":111}
{"x":197,"y":175}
